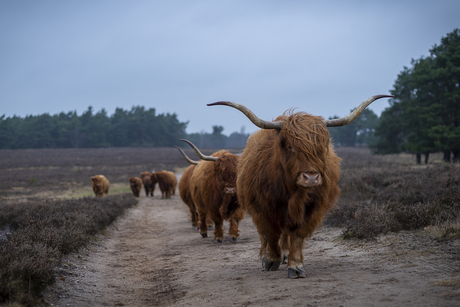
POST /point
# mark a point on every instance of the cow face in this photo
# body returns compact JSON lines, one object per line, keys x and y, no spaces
{"x":96,"y":181}
{"x":225,"y":168}
{"x":301,"y":146}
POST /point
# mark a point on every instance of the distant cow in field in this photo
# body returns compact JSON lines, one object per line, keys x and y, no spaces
{"x":167,"y":182}
{"x":214,"y":193}
{"x":287,"y":180}
{"x":185,"y":193}
{"x":135,"y":183}
{"x":149,"y":186}
{"x":100,"y":185}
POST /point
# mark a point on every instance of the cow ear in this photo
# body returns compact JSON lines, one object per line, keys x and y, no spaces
{"x":283,"y":143}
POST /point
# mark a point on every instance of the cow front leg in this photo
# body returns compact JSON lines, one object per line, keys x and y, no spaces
{"x":233,"y":232}
{"x":193,"y":215}
{"x":218,"y":230}
{"x":270,"y":252}
{"x":284,"y":245}
{"x":203,"y":227}
{"x":210,"y":223}
{"x":295,"y":260}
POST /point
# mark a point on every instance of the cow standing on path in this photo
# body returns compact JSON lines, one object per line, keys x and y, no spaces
{"x":185,"y":193}
{"x":167,"y":182}
{"x":287,"y":180}
{"x":184,"y":188}
{"x":135,"y":183}
{"x":149,"y":186}
{"x":214,"y":193}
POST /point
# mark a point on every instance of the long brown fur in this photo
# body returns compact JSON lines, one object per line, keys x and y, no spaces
{"x":167,"y":182}
{"x":266,"y":183}
{"x":135,"y":183}
{"x":100,"y":185}
{"x":185,"y":195}
{"x":207,"y":185}
{"x":149,"y":186}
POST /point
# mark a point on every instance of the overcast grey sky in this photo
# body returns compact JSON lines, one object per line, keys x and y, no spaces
{"x":321,"y":57}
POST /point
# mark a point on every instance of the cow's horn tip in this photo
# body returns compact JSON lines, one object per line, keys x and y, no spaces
{"x":218,"y":103}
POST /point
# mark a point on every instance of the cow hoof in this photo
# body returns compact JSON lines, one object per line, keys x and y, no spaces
{"x":204,"y":235}
{"x":298,"y":272}
{"x":210,"y":227}
{"x":232,"y":240}
{"x":285,"y":258}
{"x":219,"y":240}
{"x":271,"y":265}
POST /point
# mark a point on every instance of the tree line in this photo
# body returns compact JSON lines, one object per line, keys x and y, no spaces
{"x":138,"y":127}
{"x":423,"y":118}
{"x":424,"y":115}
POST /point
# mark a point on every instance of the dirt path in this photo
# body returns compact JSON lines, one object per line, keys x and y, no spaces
{"x":153,"y":257}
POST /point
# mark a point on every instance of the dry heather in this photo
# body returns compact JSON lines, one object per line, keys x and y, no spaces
{"x":379,"y":194}
{"x":38,"y":233}
{"x":391,"y":193}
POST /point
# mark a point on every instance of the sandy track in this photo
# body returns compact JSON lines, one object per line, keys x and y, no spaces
{"x":153,"y":257}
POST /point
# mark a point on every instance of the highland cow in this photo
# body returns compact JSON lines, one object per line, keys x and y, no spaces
{"x":135,"y":183}
{"x":100,"y":185}
{"x":167,"y":182}
{"x":149,"y":186}
{"x":214,"y":193}
{"x":287,"y":180}
{"x":186,"y":195}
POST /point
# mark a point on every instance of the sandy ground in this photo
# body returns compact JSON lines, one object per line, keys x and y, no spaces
{"x":153,"y":257}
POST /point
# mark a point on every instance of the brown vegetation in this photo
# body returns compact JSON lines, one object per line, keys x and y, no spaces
{"x":379,"y":194}
{"x":25,"y":173}
{"x":38,"y":233}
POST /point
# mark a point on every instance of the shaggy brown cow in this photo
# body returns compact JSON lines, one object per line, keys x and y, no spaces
{"x":135,"y":183}
{"x":287,"y":180}
{"x":167,"y":182}
{"x":149,"y":186}
{"x":184,"y":188}
{"x":185,"y":194}
{"x":174,"y":182}
{"x":213,"y":189}
{"x":100,"y":185}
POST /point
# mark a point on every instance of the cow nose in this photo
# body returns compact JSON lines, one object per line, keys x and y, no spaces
{"x":311,"y":179}
{"x":229,"y":190}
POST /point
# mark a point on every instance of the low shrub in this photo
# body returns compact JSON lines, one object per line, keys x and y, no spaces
{"x":41,"y":232}
{"x":378,"y":200}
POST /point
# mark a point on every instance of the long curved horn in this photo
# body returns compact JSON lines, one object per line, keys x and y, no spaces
{"x":252,"y":117}
{"x":199,"y":154}
{"x":353,"y":115}
{"x":187,"y":158}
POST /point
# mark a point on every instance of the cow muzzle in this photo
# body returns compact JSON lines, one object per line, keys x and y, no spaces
{"x":308,"y":179}
{"x":230,"y":190}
